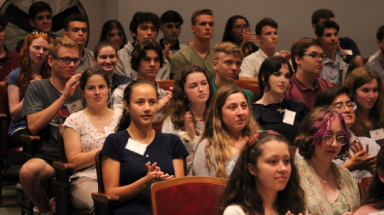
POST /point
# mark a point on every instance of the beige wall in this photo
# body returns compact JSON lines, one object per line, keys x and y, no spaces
{"x":357,"y":19}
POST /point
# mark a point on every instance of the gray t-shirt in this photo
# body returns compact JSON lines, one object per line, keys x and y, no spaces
{"x":40,"y":95}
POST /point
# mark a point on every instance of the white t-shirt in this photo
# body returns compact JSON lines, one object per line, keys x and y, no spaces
{"x":251,"y":64}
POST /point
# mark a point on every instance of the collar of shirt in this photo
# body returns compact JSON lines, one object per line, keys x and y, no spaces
{"x":302,"y":87}
{"x":328,"y":61}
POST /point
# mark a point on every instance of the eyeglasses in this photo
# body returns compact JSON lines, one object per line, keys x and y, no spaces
{"x":317,"y":56}
{"x":68,"y":60}
{"x":340,"y":140}
{"x":38,"y":32}
{"x":241,"y":27}
{"x":340,"y":107}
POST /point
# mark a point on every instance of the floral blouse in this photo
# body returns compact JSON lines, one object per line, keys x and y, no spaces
{"x":347,"y":201}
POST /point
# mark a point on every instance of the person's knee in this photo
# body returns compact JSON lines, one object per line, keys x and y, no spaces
{"x":35,"y":170}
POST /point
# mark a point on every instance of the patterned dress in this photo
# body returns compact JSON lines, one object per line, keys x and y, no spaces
{"x":347,"y":201}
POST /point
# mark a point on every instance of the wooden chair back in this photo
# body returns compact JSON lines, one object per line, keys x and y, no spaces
{"x":364,"y":187}
{"x":165,"y":85}
{"x":187,"y":195}
{"x":157,"y":125}
{"x":99,"y":171}
{"x":252,"y":86}
{"x":4,"y":109}
{"x":62,"y":155}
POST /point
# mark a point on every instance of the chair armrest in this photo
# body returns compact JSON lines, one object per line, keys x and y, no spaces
{"x":104,"y":198}
{"x":29,"y":143}
{"x":64,"y":167}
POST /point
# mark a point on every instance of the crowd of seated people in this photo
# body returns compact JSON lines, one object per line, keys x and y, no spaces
{"x":316,"y":97}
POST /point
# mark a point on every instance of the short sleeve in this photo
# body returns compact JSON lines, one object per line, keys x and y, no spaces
{"x":114,"y":146}
{"x":118,"y":98}
{"x":178,"y":148}
{"x":33,"y":102}
{"x":74,"y":121}
{"x":178,"y":62}
{"x":13,"y":76}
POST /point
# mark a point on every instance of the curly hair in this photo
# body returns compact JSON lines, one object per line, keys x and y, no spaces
{"x":355,"y":80}
{"x":25,"y":75}
{"x":242,"y":188}
{"x":140,"y":51}
{"x":179,"y":103}
{"x":313,"y":130}
{"x":375,"y":195}
{"x":216,"y":132}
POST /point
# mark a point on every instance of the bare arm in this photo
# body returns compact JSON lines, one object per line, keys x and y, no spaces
{"x":111,"y":177}
{"x":178,"y":166}
{"x":73,"y":150}
{"x":15,"y":105}
{"x":40,"y":120}
{"x":358,"y":62}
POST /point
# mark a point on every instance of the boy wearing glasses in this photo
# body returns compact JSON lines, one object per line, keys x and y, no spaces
{"x":200,"y":52}
{"x":143,"y":25}
{"x":337,"y":66}
{"x":307,"y":60}
{"x":267,"y":36}
{"x":171,"y":22}
{"x":40,"y":18}
{"x":362,"y":158}
{"x":76,"y":29}
{"x":47,"y":103}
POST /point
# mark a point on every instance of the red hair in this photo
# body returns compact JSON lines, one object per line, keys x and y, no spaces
{"x":25,"y":75}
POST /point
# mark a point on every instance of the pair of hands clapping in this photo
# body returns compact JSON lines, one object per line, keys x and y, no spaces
{"x":155,"y":174}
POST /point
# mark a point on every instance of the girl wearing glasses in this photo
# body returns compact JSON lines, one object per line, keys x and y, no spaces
{"x":365,"y":88}
{"x":270,"y":110}
{"x":330,"y":189}
{"x":33,"y":67}
{"x":237,"y":31}
{"x":113,"y":32}
{"x":265,"y":179}
{"x":361,"y":161}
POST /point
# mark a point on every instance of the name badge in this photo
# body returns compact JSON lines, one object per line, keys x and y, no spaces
{"x":108,"y":131}
{"x":75,"y":106}
{"x":289,"y":117}
{"x":136,"y":147}
{"x":377,"y":134}
{"x":377,"y":213}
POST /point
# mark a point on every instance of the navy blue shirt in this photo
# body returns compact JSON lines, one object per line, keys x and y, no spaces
{"x":163,"y":149}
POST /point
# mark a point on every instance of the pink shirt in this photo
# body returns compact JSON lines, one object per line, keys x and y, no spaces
{"x":299,"y":92}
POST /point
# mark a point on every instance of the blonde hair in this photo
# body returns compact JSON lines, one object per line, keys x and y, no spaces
{"x":217,"y":133}
{"x":59,"y":42}
{"x":228,"y":48}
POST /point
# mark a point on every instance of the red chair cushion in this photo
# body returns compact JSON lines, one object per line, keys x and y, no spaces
{"x":189,"y":199}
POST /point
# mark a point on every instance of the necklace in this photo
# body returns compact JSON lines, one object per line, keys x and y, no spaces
{"x":280,"y":109}
{"x":199,"y":120}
